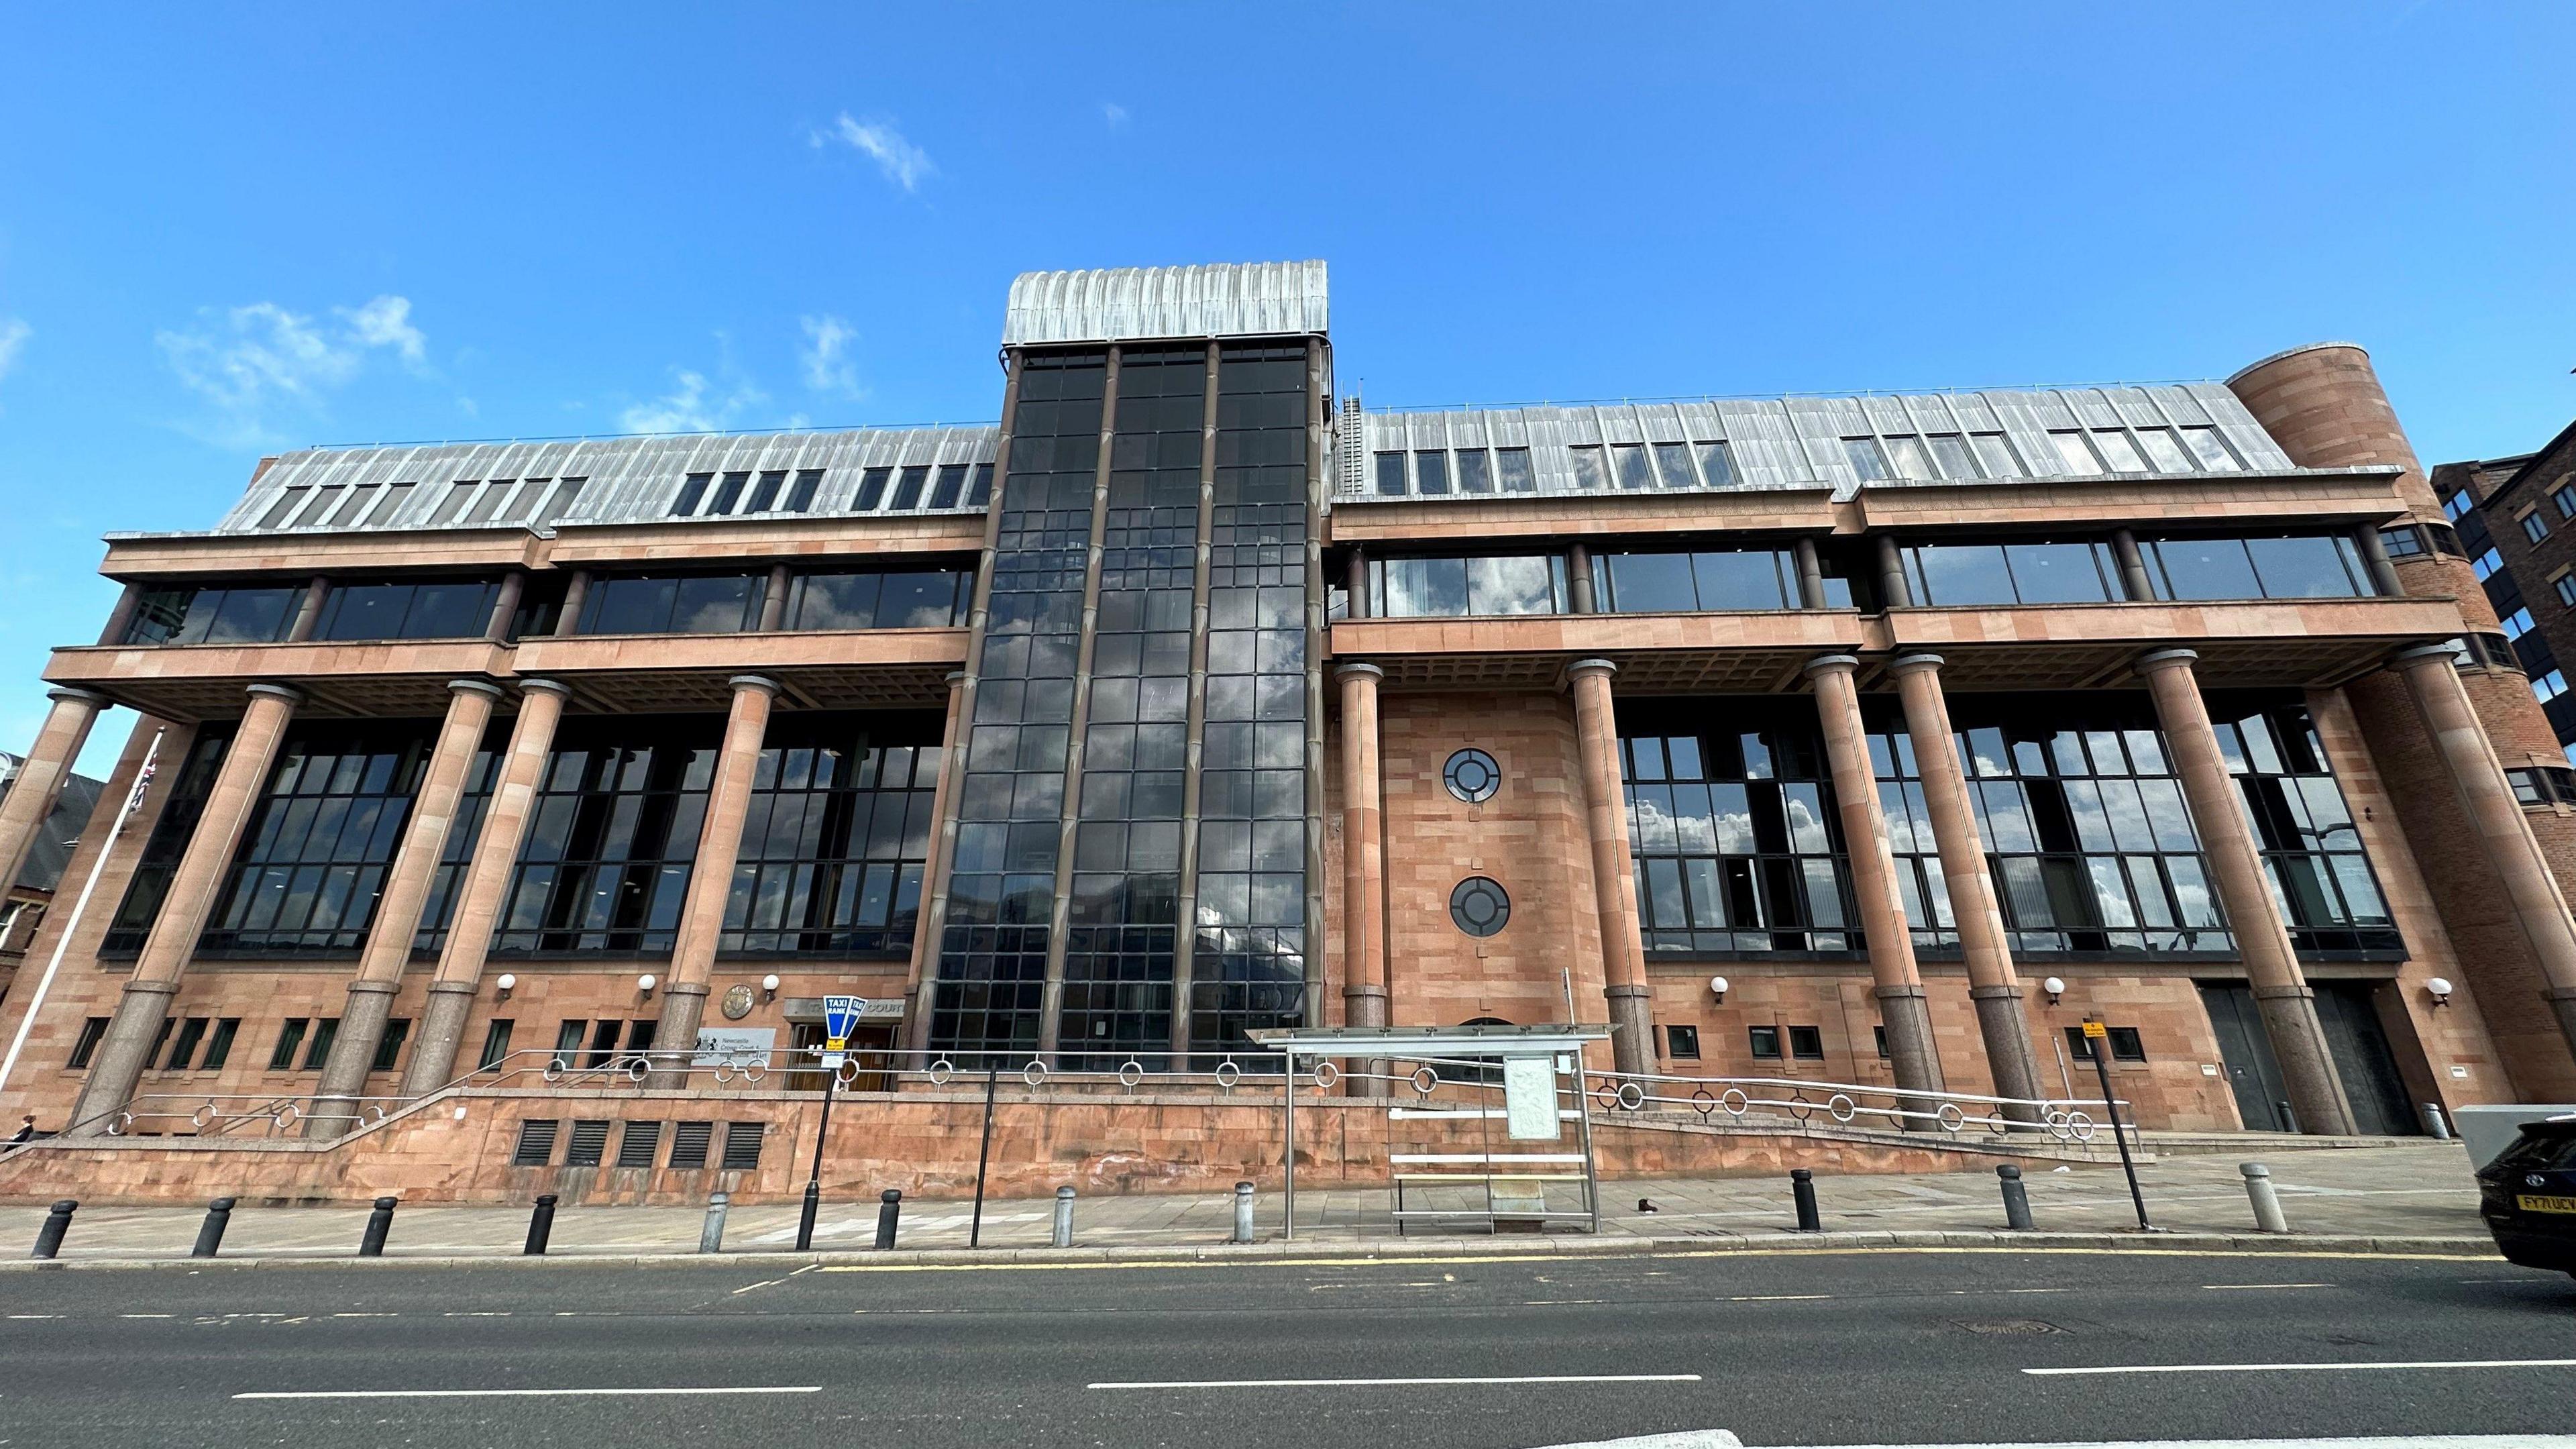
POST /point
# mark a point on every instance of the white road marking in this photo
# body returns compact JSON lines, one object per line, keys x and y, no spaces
{"x":2230,"y":1287}
{"x":2263,"y":1368}
{"x":1375,"y":1383}
{"x":527,"y":1393}
{"x":363,"y":1315}
{"x":147,"y":1315}
{"x":23,"y":1317}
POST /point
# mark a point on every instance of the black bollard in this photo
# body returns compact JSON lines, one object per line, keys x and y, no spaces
{"x":379,"y":1223}
{"x":49,"y":1238}
{"x":2016,"y":1199}
{"x":805,"y":1219}
{"x":210,"y":1233}
{"x":891,"y":1209}
{"x":1802,"y":1186}
{"x":541,"y":1226}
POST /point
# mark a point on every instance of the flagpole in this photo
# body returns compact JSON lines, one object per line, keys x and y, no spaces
{"x":63,"y":935}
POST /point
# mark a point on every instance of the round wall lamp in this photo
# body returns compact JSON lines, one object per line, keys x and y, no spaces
{"x":769,"y":988}
{"x":2055,"y":986}
{"x":505,"y":985}
{"x":1717,"y":987}
{"x":645,"y":983}
{"x":2441,"y":990}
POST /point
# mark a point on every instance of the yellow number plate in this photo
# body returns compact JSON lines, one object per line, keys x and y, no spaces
{"x":2532,"y":1202}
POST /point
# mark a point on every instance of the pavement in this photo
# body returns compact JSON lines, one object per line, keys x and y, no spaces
{"x":2400,"y":1198}
{"x":1750,"y":1346}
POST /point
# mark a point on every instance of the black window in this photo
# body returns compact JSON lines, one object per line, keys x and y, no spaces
{"x":1878,"y":1035}
{"x":764,"y":494}
{"x":951,"y":484}
{"x":496,"y":1044}
{"x":1406,"y":588}
{"x":1807,"y":1043}
{"x":312,"y":862}
{"x":1513,"y":464}
{"x":905,"y":599}
{"x":636,"y":1145}
{"x":318,"y":1051}
{"x":1716,"y":463}
{"x":289,"y":1037}
{"x":183,"y":1048}
{"x":568,"y":1039}
{"x":214,"y":614}
{"x":1479,"y":906}
{"x":389,"y":1046}
{"x":85,"y":1045}
{"x":1662,"y":583}
{"x":2311,"y":846}
{"x":800,"y":498}
{"x":2403,"y":541}
{"x":1390,"y":475}
{"x":1431,"y":473}
{"x":872,"y":489}
{"x":1735,"y":840}
{"x":692,"y":493}
{"x":1765,"y":1042}
{"x":219,"y":1046}
{"x":2017,"y":573}
{"x":589,"y":1142}
{"x":689,"y":1144}
{"x":136,"y":913}
{"x":2312,"y":566}
{"x":1472,"y":776}
{"x":836,"y":837}
{"x":1475,"y":471}
{"x":742,"y":1145}
{"x":2126,"y":1046}
{"x":673,"y":604}
{"x":536,"y":1143}
{"x":615,"y":824}
{"x":421,"y":609}
{"x":907,"y":488}
{"x":1681,"y":1043}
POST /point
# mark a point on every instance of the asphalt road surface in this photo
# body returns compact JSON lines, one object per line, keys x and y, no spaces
{"x":1878,"y":1347}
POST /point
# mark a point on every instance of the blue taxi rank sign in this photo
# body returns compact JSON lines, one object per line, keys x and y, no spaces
{"x":841,"y":1020}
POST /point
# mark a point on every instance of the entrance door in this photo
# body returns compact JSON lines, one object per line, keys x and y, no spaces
{"x":2358,"y":1043}
{"x":2246,"y":1054}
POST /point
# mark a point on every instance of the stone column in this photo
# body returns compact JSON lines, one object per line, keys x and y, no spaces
{"x":693,"y":947}
{"x":773,"y":600}
{"x":308,"y":613}
{"x":191,"y":898}
{"x":2502,"y":831}
{"x":2002,"y":1024}
{"x":1902,"y":1004}
{"x":398,"y":908}
{"x":1585,"y":591}
{"x":923,"y":974}
{"x":2281,"y":992}
{"x":1623,"y":949}
{"x":1364,"y":975}
{"x":2374,"y":555}
{"x":1811,"y":575}
{"x":120,"y":620}
{"x":576,"y":593}
{"x":40,"y":780}
{"x":505,"y":607}
{"x":485,"y":887}
{"x":1892,"y":587}
{"x":2135,"y":581}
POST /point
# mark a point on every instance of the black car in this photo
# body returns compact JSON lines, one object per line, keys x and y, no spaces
{"x":2528,"y":1196}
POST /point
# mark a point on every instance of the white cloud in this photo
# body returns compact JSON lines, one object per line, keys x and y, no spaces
{"x":14,"y":333}
{"x":691,"y":407}
{"x":828,"y":367}
{"x":1114,"y":113}
{"x":249,"y":360}
{"x":386,"y":322}
{"x":903,"y":163}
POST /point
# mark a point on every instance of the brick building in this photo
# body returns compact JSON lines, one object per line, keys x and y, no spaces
{"x":31,"y":893}
{"x":1191,"y":700}
{"x":2516,"y":522}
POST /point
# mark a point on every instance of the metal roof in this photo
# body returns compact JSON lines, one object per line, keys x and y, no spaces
{"x":1225,"y":299}
{"x":621,"y":480}
{"x":1797,"y":442}
{"x":50,"y":854}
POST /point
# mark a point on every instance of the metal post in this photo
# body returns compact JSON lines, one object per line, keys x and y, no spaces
{"x":711,"y":1236}
{"x":379,"y":1223}
{"x":210,"y":1234}
{"x":2268,"y":1217}
{"x":983,"y":1158}
{"x":1063,"y":1237}
{"x":1242,"y":1213}
{"x":2100,"y":1049}
{"x":1583,"y":1112}
{"x":49,"y":1238}
{"x":889,"y":1217}
{"x":814,"y":1178}
{"x":541,"y":1226}
{"x":1288,"y":1145}
{"x":2433,"y":1122}
{"x":1802,"y":1187}
{"x":2016,"y":1199}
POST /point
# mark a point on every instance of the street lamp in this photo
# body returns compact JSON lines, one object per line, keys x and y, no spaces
{"x":502,"y":987}
{"x":2055,"y":986}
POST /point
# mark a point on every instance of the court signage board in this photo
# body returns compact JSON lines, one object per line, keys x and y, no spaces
{"x":840,"y":1020}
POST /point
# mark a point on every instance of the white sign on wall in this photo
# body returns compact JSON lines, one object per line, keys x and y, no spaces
{"x":721,"y":1046}
{"x":1529,"y":1098}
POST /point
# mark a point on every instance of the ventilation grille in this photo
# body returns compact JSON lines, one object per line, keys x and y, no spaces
{"x":689,"y":1144}
{"x":536,"y":1144}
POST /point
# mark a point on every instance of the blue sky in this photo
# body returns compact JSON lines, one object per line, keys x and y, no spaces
{"x":228,"y":230}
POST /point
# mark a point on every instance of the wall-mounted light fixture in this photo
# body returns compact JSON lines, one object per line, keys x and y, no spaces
{"x":2055,"y":986}
{"x":1717,"y":987}
{"x":769,"y":988}
{"x":645,"y":983}
{"x":2441,"y":990}
{"x":502,"y":987}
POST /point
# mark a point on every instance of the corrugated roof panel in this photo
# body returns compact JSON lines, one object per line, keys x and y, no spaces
{"x":1230,"y":299}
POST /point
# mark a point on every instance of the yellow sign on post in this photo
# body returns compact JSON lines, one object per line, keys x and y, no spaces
{"x":2096,"y":1030}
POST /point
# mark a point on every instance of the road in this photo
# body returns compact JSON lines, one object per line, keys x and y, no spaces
{"x":1780,"y":1349}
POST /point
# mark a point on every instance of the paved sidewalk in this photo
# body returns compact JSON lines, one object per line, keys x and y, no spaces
{"x":2423,"y":1192}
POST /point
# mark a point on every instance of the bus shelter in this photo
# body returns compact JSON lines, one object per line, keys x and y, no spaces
{"x":1526,"y":1081}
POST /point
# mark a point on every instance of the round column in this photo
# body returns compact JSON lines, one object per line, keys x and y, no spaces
{"x":1902,"y":1005}
{"x":486,"y":886}
{"x":2281,"y":993}
{"x":2003,"y":1025}
{"x":1365,"y":985}
{"x":40,"y":780}
{"x":693,"y":946}
{"x":1623,"y":949}
{"x":2503,"y":832}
